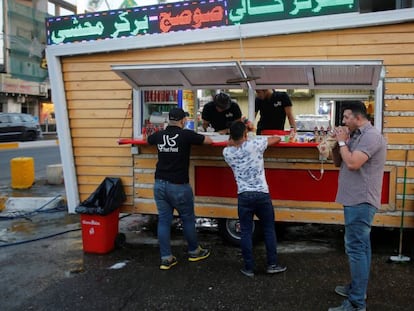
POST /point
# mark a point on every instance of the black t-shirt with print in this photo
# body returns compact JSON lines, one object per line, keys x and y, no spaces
{"x":174,"y":147}
{"x":221,"y":120}
{"x":272,"y":111}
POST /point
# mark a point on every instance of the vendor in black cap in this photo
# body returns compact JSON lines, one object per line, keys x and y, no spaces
{"x":220,"y":113}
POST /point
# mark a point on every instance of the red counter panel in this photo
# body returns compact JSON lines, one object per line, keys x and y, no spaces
{"x":284,"y":184}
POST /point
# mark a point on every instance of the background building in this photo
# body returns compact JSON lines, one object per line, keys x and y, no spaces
{"x":24,"y":81}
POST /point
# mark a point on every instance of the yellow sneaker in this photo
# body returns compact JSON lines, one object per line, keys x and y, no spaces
{"x":167,"y":264}
{"x":199,"y":254}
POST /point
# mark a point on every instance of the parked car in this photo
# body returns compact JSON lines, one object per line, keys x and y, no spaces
{"x":18,"y":127}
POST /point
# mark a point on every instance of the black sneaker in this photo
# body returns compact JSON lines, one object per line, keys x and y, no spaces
{"x":246,"y":272}
{"x":343,"y":290}
{"x":167,"y":264}
{"x":347,"y":306}
{"x":272,"y":269}
{"x":199,"y":254}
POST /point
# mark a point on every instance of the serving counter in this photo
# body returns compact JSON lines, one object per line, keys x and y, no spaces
{"x":303,"y":188}
{"x":222,"y":142}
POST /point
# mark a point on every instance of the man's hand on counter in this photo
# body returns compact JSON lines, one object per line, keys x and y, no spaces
{"x":273,"y":140}
{"x":224,"y":132}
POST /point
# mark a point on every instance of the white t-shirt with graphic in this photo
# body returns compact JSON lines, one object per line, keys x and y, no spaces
{"x":247,"y":164}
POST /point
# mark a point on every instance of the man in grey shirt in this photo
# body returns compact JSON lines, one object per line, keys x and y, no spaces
{"x":361,"y":153}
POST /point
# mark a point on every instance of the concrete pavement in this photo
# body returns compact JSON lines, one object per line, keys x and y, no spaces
{"x":41,"y":190}
{"x":43,"y":267}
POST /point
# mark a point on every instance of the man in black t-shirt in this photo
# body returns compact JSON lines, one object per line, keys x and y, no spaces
{"x":171,"y":187}
{"x":274,"y":107}
{"x":220,"y":113}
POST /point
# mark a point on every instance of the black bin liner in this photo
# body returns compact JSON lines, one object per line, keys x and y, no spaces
{"x":105,"y":199}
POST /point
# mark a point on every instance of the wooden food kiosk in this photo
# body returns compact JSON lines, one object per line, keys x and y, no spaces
{"x":101,"y":64}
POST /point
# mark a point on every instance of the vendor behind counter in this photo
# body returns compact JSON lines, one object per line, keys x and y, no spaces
{"x":220,"y":113}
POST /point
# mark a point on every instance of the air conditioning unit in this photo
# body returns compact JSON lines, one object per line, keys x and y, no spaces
{"x":21,"y":99}
{"x":43,"y":89}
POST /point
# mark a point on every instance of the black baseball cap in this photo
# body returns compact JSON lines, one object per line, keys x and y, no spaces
{"x":176,"y":114}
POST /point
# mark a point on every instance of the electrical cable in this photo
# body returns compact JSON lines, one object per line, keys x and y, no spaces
{"x":26,"y":215}
{"x":39,"y":239}
{"x":48,"y":236}
{"x":127,"y":112}
{"x":321,"y":173}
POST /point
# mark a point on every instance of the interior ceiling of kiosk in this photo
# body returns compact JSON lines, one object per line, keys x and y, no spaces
{"x":266,"y":74}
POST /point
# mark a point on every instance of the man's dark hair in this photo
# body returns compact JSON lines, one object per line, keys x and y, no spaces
{"x":222,"y":100}
{"x":237,"y":130}
{"x":357,"y":107}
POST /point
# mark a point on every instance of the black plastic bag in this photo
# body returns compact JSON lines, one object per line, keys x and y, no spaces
{"x":105,"y":199}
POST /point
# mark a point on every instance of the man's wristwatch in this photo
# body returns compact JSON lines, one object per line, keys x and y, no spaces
{"x":341,"y":143}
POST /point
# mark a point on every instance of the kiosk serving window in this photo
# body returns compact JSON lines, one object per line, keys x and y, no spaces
{"x":251,"y":75}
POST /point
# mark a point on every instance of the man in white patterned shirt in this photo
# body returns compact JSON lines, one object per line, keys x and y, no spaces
{"x":245,"y":157}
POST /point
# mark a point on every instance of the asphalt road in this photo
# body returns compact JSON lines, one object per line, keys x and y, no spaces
{"x":54,"y":273}
{"x":44,"y":153}
{"x":43,"y":266}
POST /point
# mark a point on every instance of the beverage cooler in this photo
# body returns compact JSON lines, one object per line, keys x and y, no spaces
{"x":310,"y":122}
{"x":158,"y":103}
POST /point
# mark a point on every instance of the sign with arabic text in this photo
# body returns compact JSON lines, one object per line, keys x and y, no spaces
{"x":136,"y":21}
{"x":254,"y":11}
{"x":182,"y":16}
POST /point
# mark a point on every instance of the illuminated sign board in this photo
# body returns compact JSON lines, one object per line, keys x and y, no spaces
{"x":182,"y":16}
{"x":254,"y":11}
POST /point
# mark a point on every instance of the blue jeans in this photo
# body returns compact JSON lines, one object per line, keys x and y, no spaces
{"x":252,"y":203}
{"x":358,"y":221}
{"x":169,"y":196}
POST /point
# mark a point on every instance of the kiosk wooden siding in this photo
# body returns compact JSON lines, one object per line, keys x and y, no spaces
{"x":99,"y":102}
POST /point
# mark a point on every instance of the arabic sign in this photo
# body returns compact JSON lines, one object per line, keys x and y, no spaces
{"x":184,"y":16}
{"x":17,"y":86}
{"x":253,"y":11}
{"x":136,"y":21}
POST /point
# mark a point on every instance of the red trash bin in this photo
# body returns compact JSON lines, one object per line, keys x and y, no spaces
{"x":99,"y":233}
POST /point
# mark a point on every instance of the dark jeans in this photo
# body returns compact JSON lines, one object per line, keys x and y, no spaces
{"x":358,"y":221}
{"x":252,"y":203}
{"x":168,"y":197}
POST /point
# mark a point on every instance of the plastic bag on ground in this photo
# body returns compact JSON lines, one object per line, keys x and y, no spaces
{"x":105,"y":199}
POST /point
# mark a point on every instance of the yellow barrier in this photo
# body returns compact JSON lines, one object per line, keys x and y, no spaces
{"x":22,"y":172}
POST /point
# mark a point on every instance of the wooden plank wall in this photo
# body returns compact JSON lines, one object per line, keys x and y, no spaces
{"x":99,"y":101}
{"x":100,"y":111}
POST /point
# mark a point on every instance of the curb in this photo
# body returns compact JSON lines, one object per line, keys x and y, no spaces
{"x":29,"y":144}
{"x":3,"y":200}
{"x":9,"y":145}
